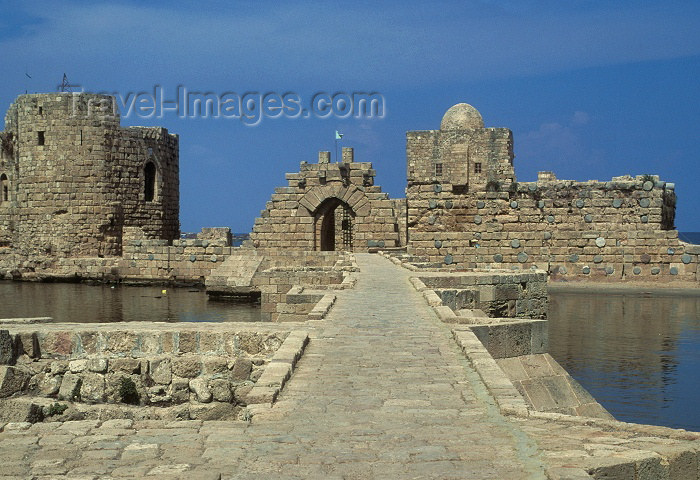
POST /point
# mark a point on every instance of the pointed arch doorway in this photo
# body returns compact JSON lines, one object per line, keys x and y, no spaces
{"x":333,"y":226}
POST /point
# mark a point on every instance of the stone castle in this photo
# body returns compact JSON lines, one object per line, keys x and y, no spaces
{"x":80,"y":192}
{"x":461,"y":337}
{"x":73,"y":179}
{"x":464,"y":208}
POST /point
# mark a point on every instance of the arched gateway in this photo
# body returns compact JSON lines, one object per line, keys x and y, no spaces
{"x":333,"y":222}
{"x":330,"y":207}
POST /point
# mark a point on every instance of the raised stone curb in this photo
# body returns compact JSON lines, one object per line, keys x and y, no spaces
{"x":322,"y":307}
{"x":509,"y":400}
{"x":25,"y":321}
{"x":279,"y":370}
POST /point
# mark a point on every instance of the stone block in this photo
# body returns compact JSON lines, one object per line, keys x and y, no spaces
{"x":59,"y":367}
{"x":27,"y":343}
{"x":187,"y":367}
{"x":7,"y":348}
{"x":97,"y":365}
{"x":180,"y":390}
{"x":258,"y":395}
{"x":158,"y":394}
{"x":221,"y":390}
{"x":200,"y":389}
{"x":160,"y":370}
{"x":92,"y":388}
{"x":70,"y":387}
{"x":213,"y":411}
{"x":49,"y":385}
{"x":12,"y":380}
{"x":77,"y":366}
{"x":55,"y":344}
{"x":214,"y":365}
{"x":125,"y":365}
{"x":121,"y":342}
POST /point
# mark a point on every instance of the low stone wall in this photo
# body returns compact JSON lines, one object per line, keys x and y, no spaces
{"x":497,"y":293}
{"x":505,"y":310}
{"x":201,"y":369}
{"x":186,"y":261}
{"x":275,"y":284}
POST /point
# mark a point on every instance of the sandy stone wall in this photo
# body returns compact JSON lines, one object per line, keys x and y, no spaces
{"x":471,"y":212}
{"x":328,"y":206}
{"x":162,"y":365}
{"x":75,"y":178}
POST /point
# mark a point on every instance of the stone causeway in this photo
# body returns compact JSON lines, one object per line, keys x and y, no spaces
{"x":385,"y":389}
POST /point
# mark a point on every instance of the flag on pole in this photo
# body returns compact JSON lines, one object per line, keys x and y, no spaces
{"x":338,"y":136}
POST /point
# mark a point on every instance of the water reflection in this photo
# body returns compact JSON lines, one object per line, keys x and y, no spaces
{"x":637,"y":352}
{"x":67,"y":302}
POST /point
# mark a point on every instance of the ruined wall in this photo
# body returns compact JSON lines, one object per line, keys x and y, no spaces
{"x":621,"y":229}
{"x":137,"y":146}
{"x":328,"y":206}
{"x":76,"y":178}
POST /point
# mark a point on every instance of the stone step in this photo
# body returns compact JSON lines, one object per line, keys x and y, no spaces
{"x":236,"y":271}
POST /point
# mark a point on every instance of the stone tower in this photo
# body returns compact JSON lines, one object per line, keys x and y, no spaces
{"x":462,"y":153}
{"x":72,"y":178}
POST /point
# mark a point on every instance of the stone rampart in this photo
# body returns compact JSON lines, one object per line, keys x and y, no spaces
{"x":466,"y":210}
{"x":602,"y":231}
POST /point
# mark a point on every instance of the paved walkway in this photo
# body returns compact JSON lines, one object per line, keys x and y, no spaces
{"x":381,"y":392}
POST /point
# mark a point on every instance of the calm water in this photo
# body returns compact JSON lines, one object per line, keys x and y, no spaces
{"x":68,"y":302}
{"x":637,"y":352}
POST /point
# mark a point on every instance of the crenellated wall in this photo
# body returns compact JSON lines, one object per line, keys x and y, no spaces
{"x":328,"y":207}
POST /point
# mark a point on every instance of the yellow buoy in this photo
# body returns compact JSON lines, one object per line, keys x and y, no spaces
{"x":163,"y":292}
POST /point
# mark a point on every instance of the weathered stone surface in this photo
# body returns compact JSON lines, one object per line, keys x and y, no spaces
{"x":221,"y":390}
{"x":241,"y":392}
{"x":98,"y":365}
{"x":92,"y":388}
{"x":187,"y":366}
{"x":199,"y":387}
{"x":241,"y":369}
{"x":12,"y":380}
{"x":49,"y":385}
{"x":160,"y":370}
{"x":19,"y":410}
{"x":7,"y":349}
{"x":77,"y":366}
{"x":70,"y":387}
{"x":214,"y":365}
{"x":214,"y":411}
{"x":125,"y":365}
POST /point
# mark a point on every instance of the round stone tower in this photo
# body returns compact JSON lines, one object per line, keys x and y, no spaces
{"x":77,"y":178}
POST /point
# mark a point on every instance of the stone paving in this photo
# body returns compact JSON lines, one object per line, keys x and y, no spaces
{"x":385,"y":394}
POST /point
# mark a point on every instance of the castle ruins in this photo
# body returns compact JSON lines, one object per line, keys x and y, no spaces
{"x":82,"y":196}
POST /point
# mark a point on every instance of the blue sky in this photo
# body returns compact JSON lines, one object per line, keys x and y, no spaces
{"x":591,"y":89}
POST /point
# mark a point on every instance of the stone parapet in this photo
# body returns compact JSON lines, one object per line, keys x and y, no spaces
{"x":155,"y":365}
